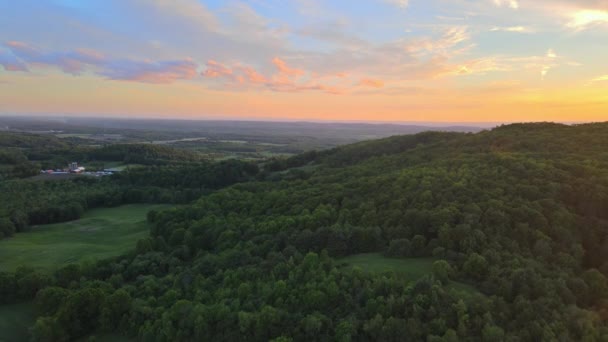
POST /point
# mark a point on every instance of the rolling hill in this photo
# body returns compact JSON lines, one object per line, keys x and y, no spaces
{"x":517,"y":215}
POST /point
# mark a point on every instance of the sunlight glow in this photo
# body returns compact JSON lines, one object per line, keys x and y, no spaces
{"x":582,"y":19}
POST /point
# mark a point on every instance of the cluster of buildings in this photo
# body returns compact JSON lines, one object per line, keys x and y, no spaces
{"x":73,"y":168}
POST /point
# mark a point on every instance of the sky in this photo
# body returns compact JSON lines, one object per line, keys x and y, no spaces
{"x":354,"y":60}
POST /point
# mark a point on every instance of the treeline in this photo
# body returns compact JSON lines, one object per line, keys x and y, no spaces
{"x":15,"y":164}
{"x":23,"y":155}
{"x":146,"y":154}
{"x":31,"y":141}
{"x":202,"y":175}
{"x":25,"y":203}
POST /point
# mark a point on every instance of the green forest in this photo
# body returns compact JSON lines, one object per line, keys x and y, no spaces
{"x":500,"y":235}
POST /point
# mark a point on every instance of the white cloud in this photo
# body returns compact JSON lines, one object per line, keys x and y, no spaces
{"x":548,"y":64}
{"x":514,"y":4}
{"x":516,"y":29}
{"x":586,"y":18}
{"x":398,"y":3}
{"x":600,"y":79}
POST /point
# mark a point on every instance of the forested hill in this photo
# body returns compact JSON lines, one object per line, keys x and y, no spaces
{"x":550,"y":139}
{"x":515,"y":220}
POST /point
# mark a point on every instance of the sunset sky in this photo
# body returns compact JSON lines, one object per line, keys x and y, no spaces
{"x":374,"y":60}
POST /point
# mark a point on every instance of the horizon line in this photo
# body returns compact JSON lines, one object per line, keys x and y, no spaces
{"x":488,"y":124}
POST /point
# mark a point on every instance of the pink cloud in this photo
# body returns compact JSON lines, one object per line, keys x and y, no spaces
{"x":10,"y":63}
{"x":215,"y":70}
{"x":13,"y":44}
{"x":78,"y":61}
{"x":71,"y":62}
{"x":152,"y":72}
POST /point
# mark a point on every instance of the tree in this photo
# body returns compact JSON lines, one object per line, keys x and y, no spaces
{"x":68,"y":274}
{"x":143,"y":246}
{"x":8,"y":287}
{"x":177,"y":237}
{"x":29,"y":284}
{"x":442,"y":271}
{"x":46,"y":329}
{"x":79,"y":314}
{"x":115,"y":309}
{"x":492,"y":333}
{"x":19,"y":219}
{"x":476,"y":266}
{"x":597,"y":284}
{"x":7,"y":228}
{"x":50,"y":299}
{"x":418,"y":246}
{"x":400,"y":248}
{"x":344,"y":331}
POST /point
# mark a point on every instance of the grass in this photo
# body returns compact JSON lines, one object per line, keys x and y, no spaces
{"x":113,"y":164}
{"x":99,"y":234}
{"x":15,"y":320}
{"x":74,"y":135}
{"x":123,"y":167}
{"x":411,"y":269}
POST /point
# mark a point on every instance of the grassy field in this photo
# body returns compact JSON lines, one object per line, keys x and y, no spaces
{"x":15,"y":321}
{"x":100,"y":233}
{"x":410,"y":268}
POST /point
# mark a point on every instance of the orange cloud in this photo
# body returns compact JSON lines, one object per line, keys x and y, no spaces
{"x":286,"y":79}
{"x":285,"y":70}
{"x":368,"y":82}
{"x":253,"y":76}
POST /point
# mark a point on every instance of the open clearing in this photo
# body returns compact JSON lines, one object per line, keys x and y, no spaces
{"x":15,"y":321}
{"x":100,"y":233}
{"x":411,"y":269}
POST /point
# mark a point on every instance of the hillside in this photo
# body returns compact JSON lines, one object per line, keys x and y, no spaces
{"x":513,"y":221}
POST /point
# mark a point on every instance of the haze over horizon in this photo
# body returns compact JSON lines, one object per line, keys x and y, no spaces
{"x":399,"y":61}
{"x":144,"y":117}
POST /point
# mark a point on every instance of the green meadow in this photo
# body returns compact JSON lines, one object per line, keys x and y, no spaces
{"x":100,"y":233}
{"x":411,"y":269}
{"x":15,"y":321}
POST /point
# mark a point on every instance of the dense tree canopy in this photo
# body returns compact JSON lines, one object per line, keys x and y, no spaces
{"x":519,"y":214}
